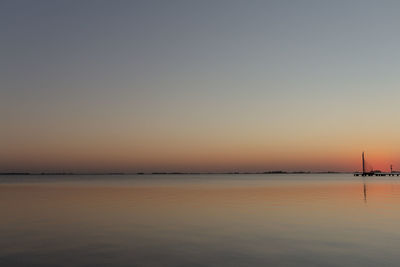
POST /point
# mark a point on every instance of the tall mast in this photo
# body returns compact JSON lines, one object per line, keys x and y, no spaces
{"x":363,"y":162}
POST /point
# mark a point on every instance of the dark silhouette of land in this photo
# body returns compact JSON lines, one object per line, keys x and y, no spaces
{"x":166,"y":173}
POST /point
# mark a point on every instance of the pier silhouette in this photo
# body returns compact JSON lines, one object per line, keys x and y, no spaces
{"x":368,"y":170}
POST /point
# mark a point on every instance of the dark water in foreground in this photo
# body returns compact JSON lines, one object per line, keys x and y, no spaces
{"x":199,"y":220}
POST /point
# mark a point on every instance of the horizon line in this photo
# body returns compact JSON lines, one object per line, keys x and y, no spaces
{"x":171,"y":173}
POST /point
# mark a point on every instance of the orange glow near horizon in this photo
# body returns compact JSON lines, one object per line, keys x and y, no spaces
{"x":194,"y":157}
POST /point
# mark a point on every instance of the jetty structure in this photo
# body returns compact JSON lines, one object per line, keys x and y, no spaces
{"x":367,"y":170}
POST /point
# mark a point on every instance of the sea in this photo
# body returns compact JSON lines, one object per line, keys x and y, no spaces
{"x":199,"y":220}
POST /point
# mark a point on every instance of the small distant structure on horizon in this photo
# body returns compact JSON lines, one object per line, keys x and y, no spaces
{"x":373,"y":172}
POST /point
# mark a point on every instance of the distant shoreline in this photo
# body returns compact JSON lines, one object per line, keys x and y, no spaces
{"x":171,"y":173}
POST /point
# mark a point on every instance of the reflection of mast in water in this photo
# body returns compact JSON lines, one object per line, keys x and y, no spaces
{"x":365,"y":192}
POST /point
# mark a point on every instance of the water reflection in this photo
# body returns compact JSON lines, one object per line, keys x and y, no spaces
{"x":252,"y":221}
{"x":365,"y":191}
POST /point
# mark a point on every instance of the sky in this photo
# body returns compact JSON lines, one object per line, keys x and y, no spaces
{"x":199,"y":86}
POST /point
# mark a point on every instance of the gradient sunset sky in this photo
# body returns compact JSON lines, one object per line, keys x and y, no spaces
{"x":199,"y":86}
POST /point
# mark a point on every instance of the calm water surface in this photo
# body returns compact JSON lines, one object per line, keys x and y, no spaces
{"x":199,"y":220}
